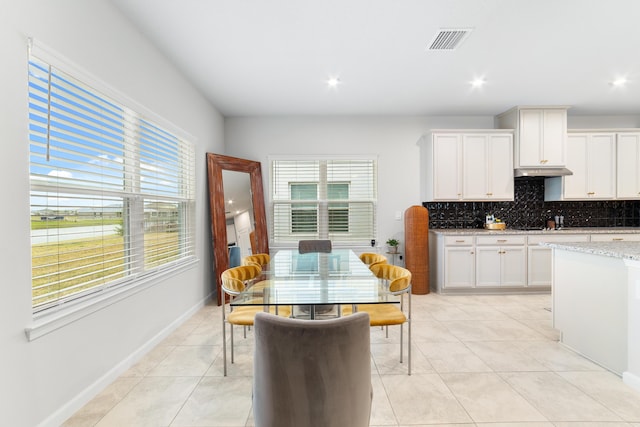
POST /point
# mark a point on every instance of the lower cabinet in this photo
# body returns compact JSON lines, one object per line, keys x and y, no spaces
{"x":483,"y":262}
{"x":459,"y":267}
{"x":501,"y":261}
{"x":539,"y":257}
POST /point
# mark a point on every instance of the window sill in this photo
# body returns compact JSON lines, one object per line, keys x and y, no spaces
{"x":71,"y":312}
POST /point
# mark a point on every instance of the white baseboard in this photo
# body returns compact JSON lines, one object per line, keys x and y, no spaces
{"x":631,"y":380}
{"x":71,"y":407}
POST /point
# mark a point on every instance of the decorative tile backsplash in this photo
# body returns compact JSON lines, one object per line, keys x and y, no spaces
{"x":529,"y":210}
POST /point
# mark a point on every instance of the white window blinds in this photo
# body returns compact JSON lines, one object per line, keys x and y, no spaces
{"x":324,"y":199}
{"x":112,"y":192}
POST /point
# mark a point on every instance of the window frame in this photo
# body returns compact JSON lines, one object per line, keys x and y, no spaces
{"x":324,"y":203}
{"x":67,"y":310}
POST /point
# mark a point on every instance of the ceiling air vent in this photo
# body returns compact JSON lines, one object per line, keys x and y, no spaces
{"x":449,"y":38}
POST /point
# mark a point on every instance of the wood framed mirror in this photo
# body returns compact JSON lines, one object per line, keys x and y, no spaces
{"x":216,"y":164}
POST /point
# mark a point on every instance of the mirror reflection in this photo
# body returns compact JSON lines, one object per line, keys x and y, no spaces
{"x":239,"y":215}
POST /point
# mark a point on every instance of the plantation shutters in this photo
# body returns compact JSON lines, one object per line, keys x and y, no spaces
{"x":324,"y":199}
{"x":112,"y":191}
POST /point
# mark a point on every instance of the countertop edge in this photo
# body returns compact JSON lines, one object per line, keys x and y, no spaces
{"x":577,"y":230}
{"x":622,"y":250}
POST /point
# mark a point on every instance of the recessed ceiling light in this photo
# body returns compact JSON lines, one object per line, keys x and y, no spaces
{"x":230,"y":201}
{"x":478,"y":82}
{"x":619,"y":82}
{"x":333,"y":82}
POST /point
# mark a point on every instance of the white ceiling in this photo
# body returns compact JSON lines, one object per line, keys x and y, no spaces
{"x":272,"y":57}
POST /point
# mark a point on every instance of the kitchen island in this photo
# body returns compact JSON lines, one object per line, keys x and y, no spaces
{"x":596,"y":303}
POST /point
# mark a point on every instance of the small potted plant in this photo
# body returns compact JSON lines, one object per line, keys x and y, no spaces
{"x":393,"y":245}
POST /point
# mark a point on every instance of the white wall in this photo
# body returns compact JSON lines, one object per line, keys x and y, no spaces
{"x":392,"y":139}
{"x":43,"y":381}
{"x":603,"y":122}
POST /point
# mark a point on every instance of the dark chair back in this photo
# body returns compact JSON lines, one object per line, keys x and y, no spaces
{"x":308,"y":246}
{"x":312,"y":373}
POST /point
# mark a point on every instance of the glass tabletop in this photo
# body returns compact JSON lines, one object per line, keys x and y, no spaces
{"x":338,"y":277}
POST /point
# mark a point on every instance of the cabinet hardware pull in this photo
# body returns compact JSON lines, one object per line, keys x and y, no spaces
{"x":459,"y":241}
{"x":591,"y":193}
{"x":502,"y":240}
{"x":489,"y":194}
{"x":618,"y":238}
{"x":471,"y":252}
{"x":543,"y":161}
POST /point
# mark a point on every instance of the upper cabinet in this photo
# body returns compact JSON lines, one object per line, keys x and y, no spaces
{"x":540,"y":135}
{"x":467,"y":165}
{"x":628,"y":173}
{"x":591,"y":156}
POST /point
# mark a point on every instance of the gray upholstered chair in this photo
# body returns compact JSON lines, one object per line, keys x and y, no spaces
{"x":310,"y":373}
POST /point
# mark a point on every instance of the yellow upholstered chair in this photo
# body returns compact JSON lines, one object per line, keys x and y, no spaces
{"x":398,"y":282}
{"x":234,"y":281}
{"x":260,"y":259}
{"x":370,"y":258}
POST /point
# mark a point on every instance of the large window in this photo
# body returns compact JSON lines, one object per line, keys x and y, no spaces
{"x":112,"y":191}
{"x":323,"y":199}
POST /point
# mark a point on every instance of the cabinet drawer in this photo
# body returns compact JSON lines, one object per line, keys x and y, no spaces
{"x":458,"y":240}
{"x":501,"y":240}
{"x":615,"y":237}
{"x":558,"y":238}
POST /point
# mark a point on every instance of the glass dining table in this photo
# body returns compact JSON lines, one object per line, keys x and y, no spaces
{"x":315,"y":281}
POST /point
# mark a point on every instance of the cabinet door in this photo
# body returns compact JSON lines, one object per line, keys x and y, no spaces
{"x":488,"y":266}
{"x":513,"y":263}
{"x":601,"y":166}
{"x":500,"y":172}
{"x":591,"y":158}
{"x":575,"y":186}
{"x":487,"y":167}
{"x":475,"y":167}
{"x":459,"y":267}
{"x":554,"y":137}
{"x":447,"y":167}
{"x":539,"y":266}
{"x":530,"y":137}
{"x":539,"y":257}
{"x":628,"y":165}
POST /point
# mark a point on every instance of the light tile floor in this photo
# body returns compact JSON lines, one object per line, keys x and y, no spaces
{"x":477,"y":361}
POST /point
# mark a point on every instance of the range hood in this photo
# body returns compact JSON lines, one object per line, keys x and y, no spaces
{"x":546,"y":172}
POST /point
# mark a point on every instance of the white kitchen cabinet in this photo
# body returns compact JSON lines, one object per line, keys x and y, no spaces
{"x":452,"y":260}
{"x":540,"y":135}
{"x":471,"y":165}
{"x":615,"y":237}
{"x":487,"y":165}
{"x":539,"y":257}
{"x":446,"y":166}
{"x":592,"y":159}
{"x":459,"y":267}
{"x":501,"y":261}
{"x":628,"y":166}
{"x":477,"y":261}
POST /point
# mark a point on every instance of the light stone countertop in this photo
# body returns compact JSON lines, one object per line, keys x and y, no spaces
{"x":568,"y":230}
{"x":624,"y":250}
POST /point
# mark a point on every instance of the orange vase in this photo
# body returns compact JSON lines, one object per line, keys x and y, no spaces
{"x":416,"y":248}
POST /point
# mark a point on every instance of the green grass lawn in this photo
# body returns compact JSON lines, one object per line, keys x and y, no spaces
{"x":38,"y":224}
{"x":71,"y":266}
